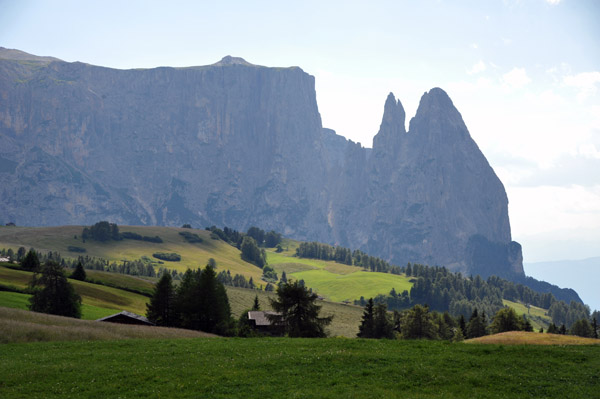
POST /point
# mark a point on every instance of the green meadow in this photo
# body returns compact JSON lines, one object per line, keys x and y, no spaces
{"x":296,"y":368}
{"x":334,"y":281}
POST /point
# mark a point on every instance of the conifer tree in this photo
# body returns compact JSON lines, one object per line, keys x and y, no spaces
{"x":297,"y":312}
{"x":367,"y":325}
{"x":256,"y":305}
{"x":53,"y":293}
{"x":161,"y":310}
{"x":79,"y":272}
{"x":31,"y":261}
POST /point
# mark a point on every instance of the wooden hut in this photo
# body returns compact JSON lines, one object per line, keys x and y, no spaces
{"x":126,"y":317}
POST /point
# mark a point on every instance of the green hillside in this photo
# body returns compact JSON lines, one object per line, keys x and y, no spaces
{"x":99,"y":297}
{"x":335,"y":281}
{"x":192,"y":255}
{"x":539,"y":317}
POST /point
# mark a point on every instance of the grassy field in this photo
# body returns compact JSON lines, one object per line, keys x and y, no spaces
{"x":539,"y":317}
{"x":296,"y":368}
{"x":24,"y":326}
{"x":192,"y":255}
{"x":99,"y":301}
{"x":335,"y":281}
{"x":532,"y":338}
{"x":96,"y":296}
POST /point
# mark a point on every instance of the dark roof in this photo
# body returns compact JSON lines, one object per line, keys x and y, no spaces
{"x":260,"y":317}
{"x":128,"y":315}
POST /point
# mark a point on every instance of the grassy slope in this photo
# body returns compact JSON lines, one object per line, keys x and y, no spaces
{"x":296,"y":368}
{"x":335,"y":281}
{"x":192,"y":255}
{"x":346,"y":318}
{"x":539,"y":317}
{"x":24,"y":326}
{"x":94,"y":295}
{"x":532,"y":338}
{"x":332,"y":280}
{"x":99,"y":301}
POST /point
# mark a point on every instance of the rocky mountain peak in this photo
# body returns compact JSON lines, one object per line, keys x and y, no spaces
{"x":229,"y":60}
{"x":392,"y":124}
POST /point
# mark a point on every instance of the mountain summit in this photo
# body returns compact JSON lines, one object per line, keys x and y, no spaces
{"x":242,"y":146}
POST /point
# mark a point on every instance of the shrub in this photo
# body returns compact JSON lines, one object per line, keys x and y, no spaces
{"x":169,"y":257}
{"x":190,"y":237}
{"x":71,"y":248}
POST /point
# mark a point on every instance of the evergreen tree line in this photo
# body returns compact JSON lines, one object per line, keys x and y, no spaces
{"x":200,"y":302}
{"x":233,"y":237}
{"x":444,"y":290}
{"x":419,"y":322}
{"x":317,"y":250}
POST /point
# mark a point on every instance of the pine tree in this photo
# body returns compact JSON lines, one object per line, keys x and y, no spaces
{"x":214,"y":310}
{"x":256,"y":305}
{"x":367,"y":325}
{"x":53,"y":293}
{"x":79,"y":272}
{"x":419,"y":324}
{"x":31,"y":261}
{"x":161,"y":309}
{"x":383,"y":325}
{"x":595,"y":328}
{"x":283,"y":277}
{"x":297,"y":312}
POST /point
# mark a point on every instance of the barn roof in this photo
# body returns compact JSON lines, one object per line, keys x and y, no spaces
{"x":130,"y":315}
{"x":260,"y":317}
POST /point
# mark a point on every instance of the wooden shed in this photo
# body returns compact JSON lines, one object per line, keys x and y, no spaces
{"x":126,"y":317}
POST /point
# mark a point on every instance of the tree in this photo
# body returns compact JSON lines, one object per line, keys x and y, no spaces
{"x":582,"y":328}
{"x":476,"y":326}
{"x":297,"y":313}
{"x":419,"y":324}
{"x":367,"y":325}
{"x":20,"y":253}
{"x":161,"y":309}
{"x":53,"y":293}
{"x":31,"y":261}
{"x":79,"y":272}
{"x":214,"y":310}
{"x":594,"y":328}
{"x":283,"y":277}
{"x":383,"y":327}
{"x":552,"y":329}
{"x":256,"y":305}
{"x":505,"y":319}
{"x":251,"y":253}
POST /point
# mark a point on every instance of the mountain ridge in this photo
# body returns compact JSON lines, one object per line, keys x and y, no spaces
{"x":243,"y":145}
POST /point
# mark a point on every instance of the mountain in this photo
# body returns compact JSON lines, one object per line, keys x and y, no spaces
{"x":569,"y":273}
{"x":238,"y":144}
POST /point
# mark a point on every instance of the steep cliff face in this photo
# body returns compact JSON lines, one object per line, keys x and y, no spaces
{"x":238,"y":144}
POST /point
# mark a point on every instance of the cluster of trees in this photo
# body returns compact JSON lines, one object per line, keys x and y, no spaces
{"x":420,"y":322}
{"x":167,"y":256}
{"x":236,"y":281}
{"x":317,"y":250}
{"x":444,"y":291}
{"x":192,"y":238}
{"x":252,"y":253}
{"x":101,"y":231}
{"x":268,"y":239}
{"x":127,"y":235}
{"x":200,"y":302}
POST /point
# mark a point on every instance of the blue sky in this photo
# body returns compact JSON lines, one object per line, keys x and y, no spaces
{"x":524,"y":74}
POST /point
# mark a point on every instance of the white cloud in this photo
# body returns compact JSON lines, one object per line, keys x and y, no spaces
{"x":478,"y":67}
{"x":553,"y":2}
{"x":474,"y":46}
{"x":585,"y":82}
{"x":516,"y":78}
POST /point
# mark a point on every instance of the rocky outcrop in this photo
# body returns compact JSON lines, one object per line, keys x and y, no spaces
{"x":238,"y":144}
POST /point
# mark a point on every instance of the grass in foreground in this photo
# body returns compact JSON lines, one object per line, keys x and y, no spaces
{"x":24,"y":326}
{"x":532,"y":338}
{"x":296,"y":368}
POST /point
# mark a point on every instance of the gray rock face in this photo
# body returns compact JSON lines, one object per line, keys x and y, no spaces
{"x":238,"y":144}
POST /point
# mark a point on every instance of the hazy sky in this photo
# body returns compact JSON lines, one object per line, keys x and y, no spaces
{"x":524,"y":74}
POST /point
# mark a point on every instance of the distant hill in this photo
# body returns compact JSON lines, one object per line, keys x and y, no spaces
{"x":235,"y":144}
{"x":581,"y":275}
